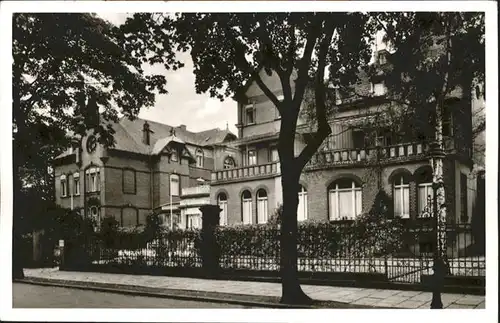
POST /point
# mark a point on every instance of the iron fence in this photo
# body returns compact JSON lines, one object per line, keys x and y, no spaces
{"x":326,"y":248}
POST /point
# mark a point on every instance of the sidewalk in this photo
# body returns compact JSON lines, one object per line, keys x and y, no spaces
{"x":349,"y":296}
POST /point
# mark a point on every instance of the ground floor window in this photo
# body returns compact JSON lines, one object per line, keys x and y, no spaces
{"x":246,"y":205}
{"x":222,"y":202}
{"x":262,"y":211}
{"x":193,"y":221}
{"x":302,"y":209}
{"x":345,"y":200}
{"x":401,"y":196}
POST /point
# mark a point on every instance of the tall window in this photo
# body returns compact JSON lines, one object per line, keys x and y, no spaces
{"x":64,"y":186}
{"x":401,"y":196}
{"x":193,"y":221}
{"x":246,"y":205}
{"x":252,"y":157}
{"x":463,"y":199}
{"x":274,"y":155}
{"x":229,"y":163}
{"x":76,"y":183}
{"x":262,"y":212}
{"x":222,"y":203}
{"x":199,"y":158}
{"x":93,"y":179}
{"x":250,"y":114}
{"x":425,"y":193}
{"x":302,"y":209}
{"x":345,"y":199}
{"x":174,"y":185}
{"x":128,"y":181}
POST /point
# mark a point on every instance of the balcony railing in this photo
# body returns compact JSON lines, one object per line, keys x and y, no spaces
{"x":357,"y":155}
{"x":247,"y":172}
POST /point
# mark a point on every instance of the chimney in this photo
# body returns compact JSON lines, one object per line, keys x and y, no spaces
{"x":182,"y":127}
{"x":146,"y":133}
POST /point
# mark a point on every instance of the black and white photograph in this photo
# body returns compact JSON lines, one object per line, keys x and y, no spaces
{"x":230,"y":155}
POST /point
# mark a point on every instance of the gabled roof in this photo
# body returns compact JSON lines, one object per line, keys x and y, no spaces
{"x":128,"y":136}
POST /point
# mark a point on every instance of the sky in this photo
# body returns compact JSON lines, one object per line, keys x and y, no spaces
{"x":182,"y":105}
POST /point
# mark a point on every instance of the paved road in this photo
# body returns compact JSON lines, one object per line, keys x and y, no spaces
{"x":33,"y":296}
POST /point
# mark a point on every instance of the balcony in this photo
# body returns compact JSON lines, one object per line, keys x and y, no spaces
{"x":192,"y":202}
{"x":387,"y":154}
{"x":196,"y":190}
{"x":247,"y":172}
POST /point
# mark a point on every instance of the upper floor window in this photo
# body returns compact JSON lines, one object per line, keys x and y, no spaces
{"x":378,"y":89}
{"x":174,"y":155}
{"x":274,"y":155}
{"x":250,"y":114}
{"x":174,"y":185}
{"x":199,"y":158}
{"x":229,"y":162}
{"x":344,"y":199}
{"x":76,"y":183}
{"x":64,"y":186}
{"x":252,"y":157}
{"x":92,"y":176}
{"x":128,"y":181}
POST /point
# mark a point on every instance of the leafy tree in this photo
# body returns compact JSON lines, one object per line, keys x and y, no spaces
{"x":230,"y":49}
{"x":67,"y":69}
{"x":438,"y":60}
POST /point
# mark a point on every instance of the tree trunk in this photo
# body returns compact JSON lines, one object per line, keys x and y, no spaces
{"x":292,"y":293}
{"x":17,"y":251}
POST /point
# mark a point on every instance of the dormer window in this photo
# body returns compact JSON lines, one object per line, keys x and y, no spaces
{"x":378,"y":89}
{"x":146,"y":134}
{"x":174,"y":156}
{"x":250,"y":114}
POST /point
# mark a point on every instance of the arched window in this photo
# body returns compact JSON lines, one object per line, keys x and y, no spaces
{"x":345,"y":199}
{"x":229,"y":162}
{"x":93,"y":212}
{"x":199,"y":158}
{"x":302,"y":209}
{"x":246,"y":205}
{"x":222,"y":203}
{"x":424,"y":192}
{"x":262,"y":211}
{"x":64,"y":186}
{"x":401,"y":196}
{"x":76,"y":183}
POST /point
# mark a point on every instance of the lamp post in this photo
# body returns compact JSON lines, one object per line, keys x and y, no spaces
{"x":439,"y":223}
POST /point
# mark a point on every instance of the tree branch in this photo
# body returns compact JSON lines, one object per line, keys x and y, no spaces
{"x":320,"y":96}
{"x":303,"y":72}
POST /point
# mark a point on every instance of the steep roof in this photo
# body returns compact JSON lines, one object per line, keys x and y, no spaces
{"x":128,"y":136}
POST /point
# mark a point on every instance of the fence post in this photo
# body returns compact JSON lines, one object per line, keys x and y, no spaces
{"x":209,"y":247}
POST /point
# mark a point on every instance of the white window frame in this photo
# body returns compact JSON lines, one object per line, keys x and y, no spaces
{"x":64,"y":186}
{"x":222,"y":203}
{"x":76,"y":184}
{"x":274,"y":154}
{"x":262,"y":203}
{"x":254,"y":156}
{"x":334,"y":209}
{"x":172,"y":180}
{"x":92,"y":177}
{"x":249,"y":107}
{"x":401,"y":187}
{"x":427,"y":187}
{"x":244,"y":202}
{"x":302,"y":207}
{"x":199,"y":158}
